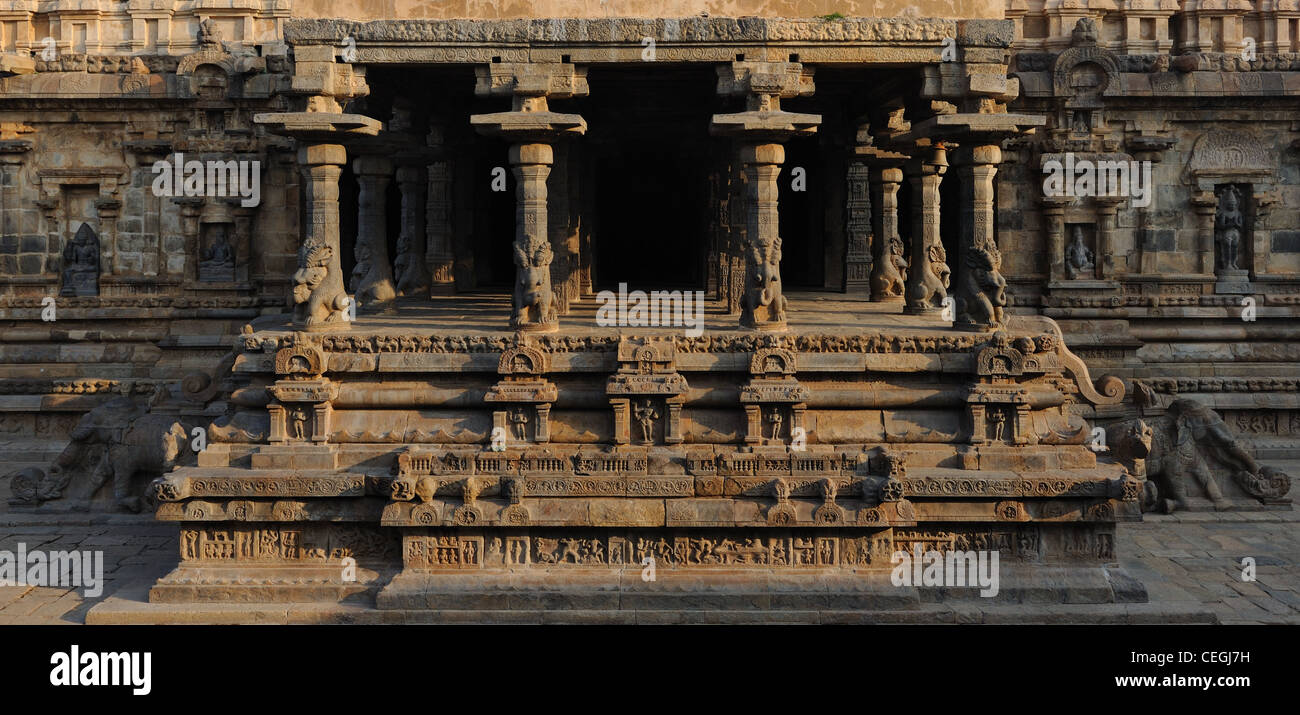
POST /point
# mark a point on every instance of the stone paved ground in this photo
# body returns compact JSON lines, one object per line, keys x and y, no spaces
{"x":1184,"y":559}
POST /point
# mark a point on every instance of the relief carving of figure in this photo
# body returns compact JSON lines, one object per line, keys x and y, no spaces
{"x":299,"y":418}
{"x":764,"y":302}
{"x":534,"y":304}
{"x":1079,"y":259}
{"x":646,"y":415}
{"x":209,"y":35}
{"x":218,"y":260}
{"x":1189,"y":452}
{"x":81,"y":263}
{"x":775,"y":418}
{"x":519,"y":420}
{"x":1229,"y":224}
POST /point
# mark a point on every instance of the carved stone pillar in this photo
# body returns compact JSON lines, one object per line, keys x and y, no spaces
{"x":763,"y":305}
{"x":928,"y":278}
{"x":734,"y":257}
{"x":532,"y":128}
{"x":374,"y":287}
{"x":439,"y":251}
{"x":981,"y":295}
{"x":889,"y":269}
{"x":760,"y":130}
{"x":318,"y":284}
{"x":534,"y":301}
{"x":412,"y":272}
{"x":858,"y":257}
{"x":563,"y":233}
{"x":1205,"y":203}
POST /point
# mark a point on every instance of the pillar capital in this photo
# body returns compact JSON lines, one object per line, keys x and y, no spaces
{"x":978,"y":155}
{"x":410,"y":173}
{"x":371,"y":165}
{"x":764,"y":153}
{"x":532,"y":153}
{"x":765,"y":84}
{"x":322,"y":154}
{"x":521,"y":80}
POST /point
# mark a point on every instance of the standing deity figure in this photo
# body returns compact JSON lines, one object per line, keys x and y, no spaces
{"x":299,"y":423}
{"x":519,"y":418}
{"x":646,"y":415}
{"x":1079,"y":259}
{"x":774,"y":417}
{"x":1229,"y":224}
{"x":999,"y":420}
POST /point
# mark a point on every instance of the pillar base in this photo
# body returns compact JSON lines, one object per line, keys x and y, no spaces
{"x":537,"y":327}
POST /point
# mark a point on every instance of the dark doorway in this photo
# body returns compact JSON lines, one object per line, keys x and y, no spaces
{"x":802,"y":187}
{"x":494,"y":212}
{"x":647,"y":140}
{"x":950,"y":191}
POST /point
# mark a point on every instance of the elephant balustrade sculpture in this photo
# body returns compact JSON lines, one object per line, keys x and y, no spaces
{"x":114,"y":442}
{"x":1188,"y":454}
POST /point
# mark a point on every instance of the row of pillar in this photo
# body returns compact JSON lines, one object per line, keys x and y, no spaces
{"x":423,"y":264}
{"x":532,"y":129}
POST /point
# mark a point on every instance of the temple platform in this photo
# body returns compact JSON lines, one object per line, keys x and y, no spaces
{"x":489,"y":314}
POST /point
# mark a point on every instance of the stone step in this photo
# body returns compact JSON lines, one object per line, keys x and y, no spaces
{"x":118,"y":610}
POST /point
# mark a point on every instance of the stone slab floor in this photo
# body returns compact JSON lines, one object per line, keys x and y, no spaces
{"x":1186,"y":560}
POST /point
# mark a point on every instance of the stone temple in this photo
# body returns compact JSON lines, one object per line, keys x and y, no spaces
{"x":325,"y":285}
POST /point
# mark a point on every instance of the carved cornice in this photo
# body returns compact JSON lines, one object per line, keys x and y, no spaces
{"x":691,"y":30}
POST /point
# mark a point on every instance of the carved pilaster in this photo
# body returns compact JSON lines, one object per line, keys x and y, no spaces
{"x":1107,"y":208}
{"x":1054,"y":222}
{"x":1205,"y":203}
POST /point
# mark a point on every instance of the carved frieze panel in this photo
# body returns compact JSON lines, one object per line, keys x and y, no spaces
{"x":311,"y":542}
